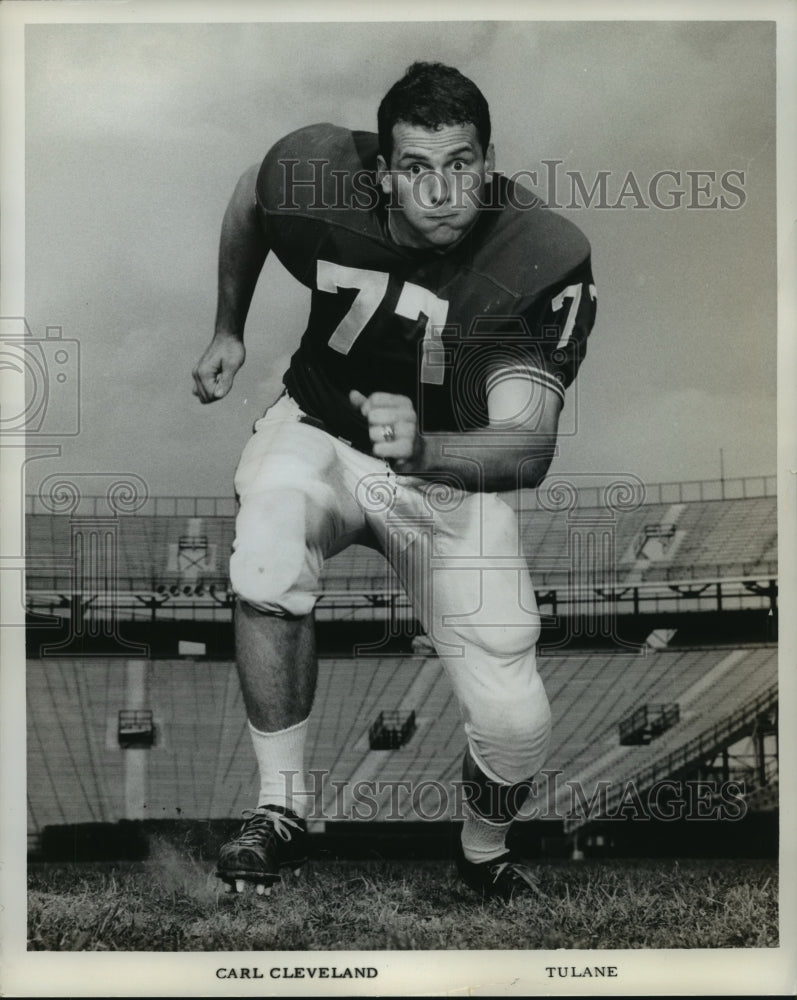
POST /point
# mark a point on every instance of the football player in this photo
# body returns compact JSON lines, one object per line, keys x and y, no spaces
{"x":450,"y":312}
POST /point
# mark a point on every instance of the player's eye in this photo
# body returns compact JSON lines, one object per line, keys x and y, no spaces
{"x":415,"y":169}
{"x":458,"y":165}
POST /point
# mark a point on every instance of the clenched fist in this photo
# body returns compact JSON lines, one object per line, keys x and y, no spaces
{"x":392,"y":425}
{"x":216,"y":368}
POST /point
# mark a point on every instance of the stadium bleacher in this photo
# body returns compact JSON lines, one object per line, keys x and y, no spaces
{"x":201,"y":766}
{"x":730,"y":536}
{"x":72,"y":778}
{"x":708,"y":685}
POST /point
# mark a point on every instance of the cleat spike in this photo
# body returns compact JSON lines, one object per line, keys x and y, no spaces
{"x":266,"y":890}
{"x":260,"y":888}
{"x":297,"y":871}
{"x":504,"y":878}
{"x":271,"y":839}
{"x":227,"y":887}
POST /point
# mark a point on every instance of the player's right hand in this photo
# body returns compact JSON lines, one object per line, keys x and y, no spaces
{"x":216,"y":368}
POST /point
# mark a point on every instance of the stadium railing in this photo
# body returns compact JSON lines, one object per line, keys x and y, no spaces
{"x":740,"y":487}
{"x":709,"y":742}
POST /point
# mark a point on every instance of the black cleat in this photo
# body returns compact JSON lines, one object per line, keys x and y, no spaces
{"x":505,"y":877}
{"x":270,"y":839}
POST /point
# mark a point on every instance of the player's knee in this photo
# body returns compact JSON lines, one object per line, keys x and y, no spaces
{"x":276,"y":558}
{"x":269,"y":586}
{"x":276,"y":576}
{"x":504,"y":642}
{"x":513,"y":641}
{"x":509,"y":739}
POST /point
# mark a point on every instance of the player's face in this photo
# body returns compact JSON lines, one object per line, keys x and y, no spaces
{"x":434,"y":181}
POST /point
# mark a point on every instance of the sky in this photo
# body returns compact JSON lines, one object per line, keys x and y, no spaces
{"x":136,"y":135}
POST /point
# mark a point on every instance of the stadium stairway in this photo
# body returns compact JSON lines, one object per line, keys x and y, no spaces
{"x":710,"y":686}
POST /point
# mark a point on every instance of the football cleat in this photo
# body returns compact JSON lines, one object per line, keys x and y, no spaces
{"x":270,"y":839}
{"x":505,"y":877}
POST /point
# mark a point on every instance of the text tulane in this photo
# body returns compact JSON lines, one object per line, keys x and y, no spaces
{"x":579,"y":971}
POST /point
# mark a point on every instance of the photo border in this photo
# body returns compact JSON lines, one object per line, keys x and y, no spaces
{"x":696,"y":972}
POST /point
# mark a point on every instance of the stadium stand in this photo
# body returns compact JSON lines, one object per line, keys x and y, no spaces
{"x":710,"y":686}
{"x":201,"y":766}
{"x":732,"y":537}
{"x":72,"y":776}
{"x":690,"y":548}
{"x":151,"y":550}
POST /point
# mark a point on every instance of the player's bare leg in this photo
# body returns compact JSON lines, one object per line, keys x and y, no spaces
{"x":277,"y":668}
{"x":295,"y":510}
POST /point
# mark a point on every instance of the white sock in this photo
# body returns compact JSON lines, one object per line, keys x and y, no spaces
{"x":482,"y":840}
{"x":280,"y":759}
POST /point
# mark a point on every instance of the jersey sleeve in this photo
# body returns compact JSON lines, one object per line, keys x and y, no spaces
{"x":547,"y":341}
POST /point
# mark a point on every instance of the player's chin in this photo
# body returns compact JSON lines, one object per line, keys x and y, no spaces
{"x":442,"y":234}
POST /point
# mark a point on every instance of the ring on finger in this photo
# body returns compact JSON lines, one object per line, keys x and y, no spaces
{"x":388,"y":432}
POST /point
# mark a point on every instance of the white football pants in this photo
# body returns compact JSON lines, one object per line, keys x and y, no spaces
{"x":305,"y":495}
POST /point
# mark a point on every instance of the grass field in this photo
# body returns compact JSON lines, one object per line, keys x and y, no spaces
{"x":173,"y":903}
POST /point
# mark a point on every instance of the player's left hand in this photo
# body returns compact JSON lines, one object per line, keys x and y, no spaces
{"x":392,"y":425}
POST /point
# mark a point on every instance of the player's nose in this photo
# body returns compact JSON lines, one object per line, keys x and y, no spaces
{"x":435,"y":189}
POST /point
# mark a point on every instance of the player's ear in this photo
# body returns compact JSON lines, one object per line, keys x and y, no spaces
{"x":382,"y":174}
{"x":489,"y":159}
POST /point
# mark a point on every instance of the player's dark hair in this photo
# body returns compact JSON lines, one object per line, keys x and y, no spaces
{"x":431,"y":95}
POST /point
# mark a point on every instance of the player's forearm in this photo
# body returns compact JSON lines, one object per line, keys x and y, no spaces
{"x":243,"y":248}
{"x":485,"y":460}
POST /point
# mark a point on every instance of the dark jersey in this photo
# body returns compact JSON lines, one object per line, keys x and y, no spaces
{"x":515,"y":293}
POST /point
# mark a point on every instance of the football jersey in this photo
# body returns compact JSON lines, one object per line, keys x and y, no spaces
{"x":515,"y":293}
